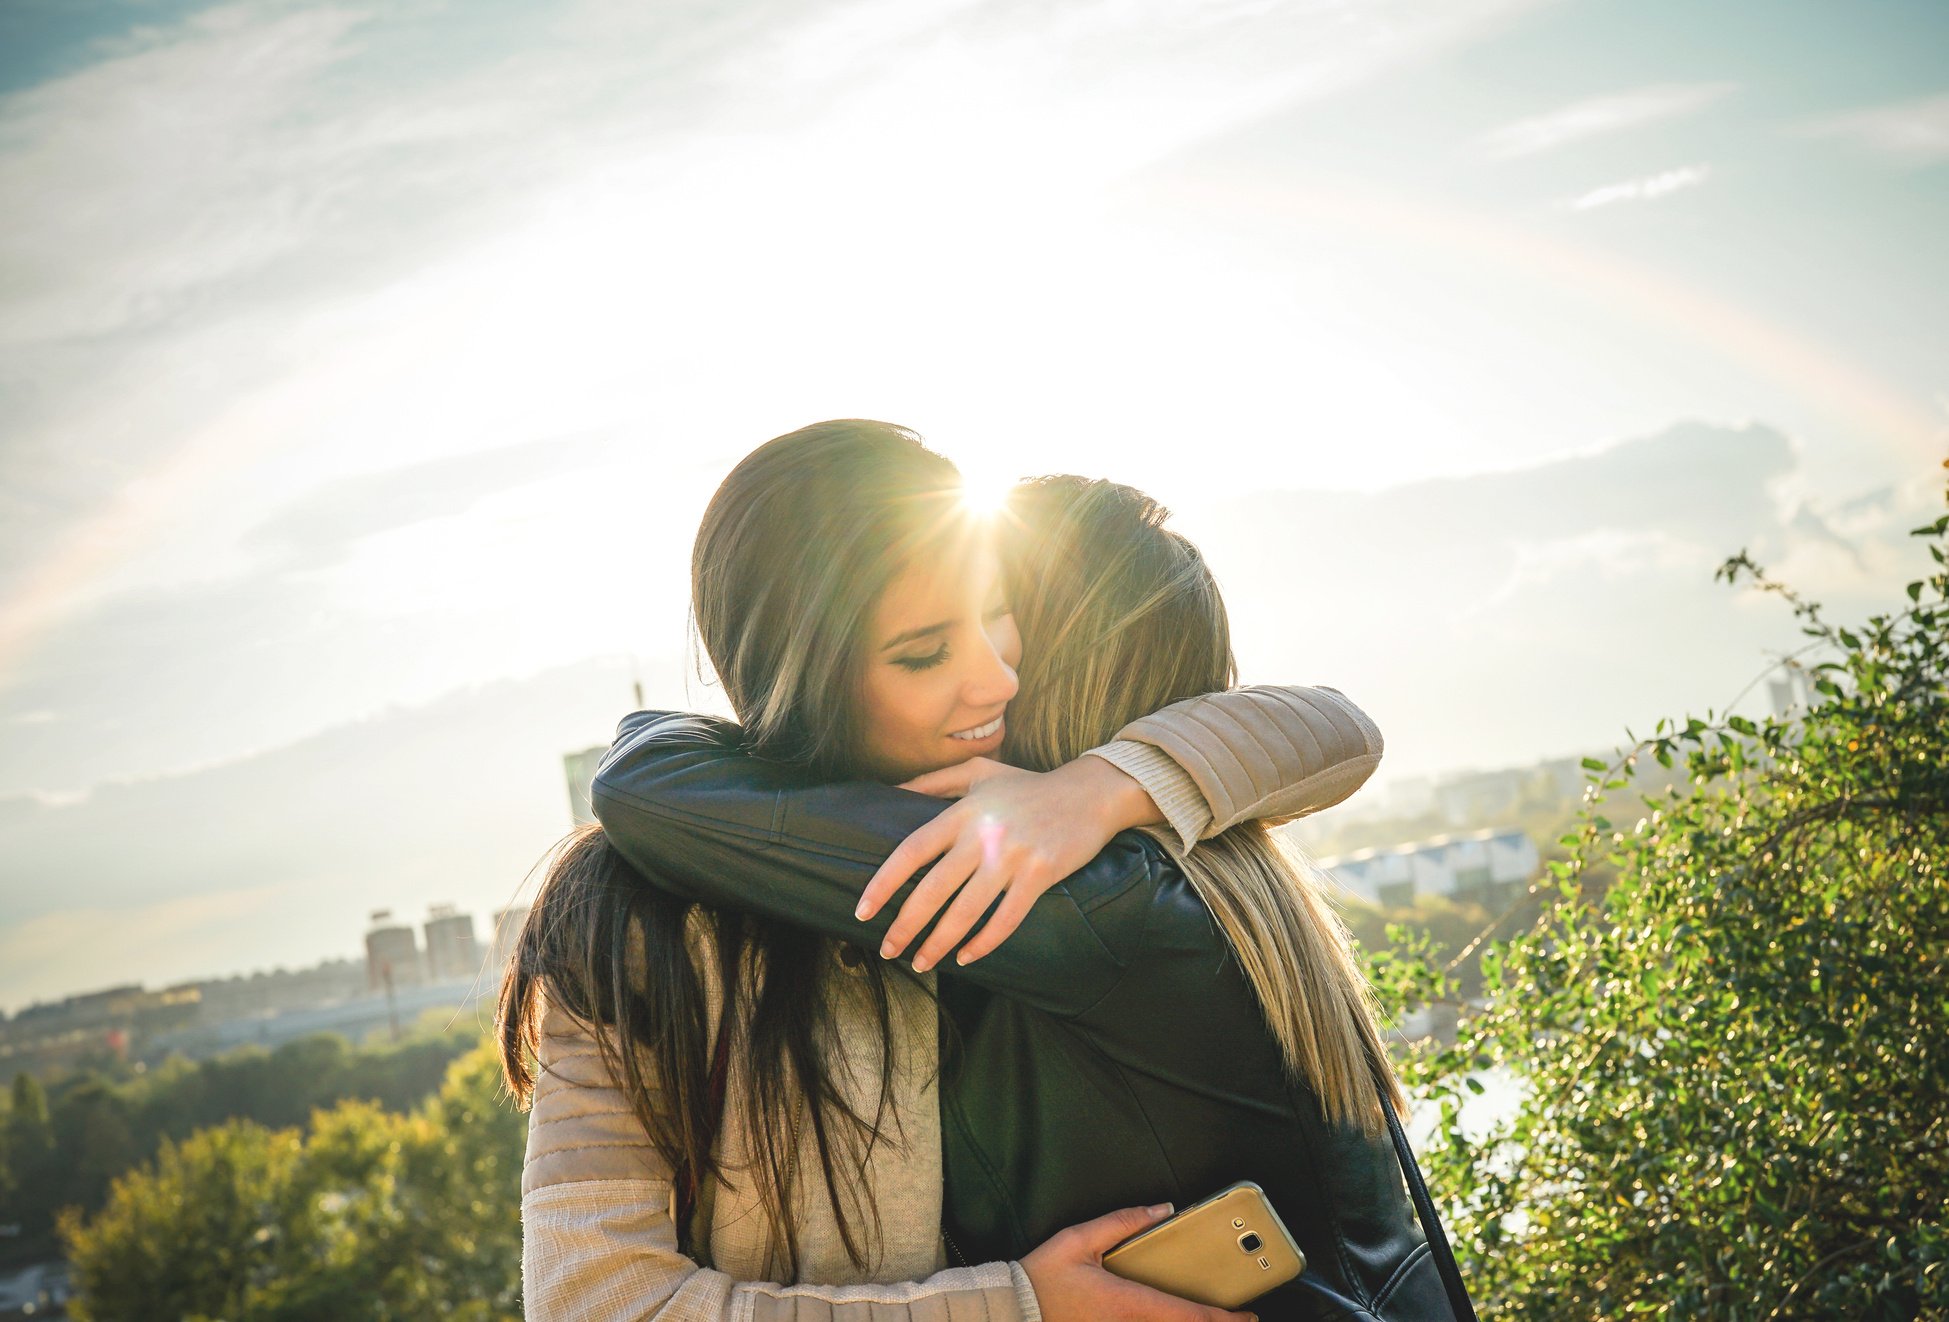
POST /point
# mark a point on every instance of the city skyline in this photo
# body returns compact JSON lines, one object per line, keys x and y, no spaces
{"x":1460,"y":798}
{"x":367,"y":370}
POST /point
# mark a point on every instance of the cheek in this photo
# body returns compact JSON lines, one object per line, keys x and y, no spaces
{"x":897,"y":705}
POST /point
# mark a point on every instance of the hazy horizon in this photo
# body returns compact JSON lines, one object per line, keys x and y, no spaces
{"x":366,"y":370}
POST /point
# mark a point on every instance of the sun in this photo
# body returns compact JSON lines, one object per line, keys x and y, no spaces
{"x":985,"y":494}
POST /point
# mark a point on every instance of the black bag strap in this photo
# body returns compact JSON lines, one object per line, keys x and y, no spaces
{"x":1424,"y":1209}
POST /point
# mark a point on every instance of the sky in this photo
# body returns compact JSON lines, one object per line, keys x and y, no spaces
{"x":364,"y":371}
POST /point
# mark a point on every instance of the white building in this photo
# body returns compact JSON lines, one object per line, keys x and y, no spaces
{"x":451,"y":952}
{"x":1472,"y":867}
{"x":392,"y":953}
{"x":580,"y":769}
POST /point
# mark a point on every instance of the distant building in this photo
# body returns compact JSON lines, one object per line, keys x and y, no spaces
{"x":507,"y":931}
{"x":1791,"y":689}
{"x":1479,"y":867}
{"x":581,"y":770}
{"x":392,"y":954}
{"x":451,"y":952}
{"x":46,"y":1039}
{"x":273,"y":991}
{"x":1476,"y":796}
{"x":1410,"y":796}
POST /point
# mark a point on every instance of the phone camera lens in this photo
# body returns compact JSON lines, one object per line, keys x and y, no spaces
{"x":1250,"y":1242}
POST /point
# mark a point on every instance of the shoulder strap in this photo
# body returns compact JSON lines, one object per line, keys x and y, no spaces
{"x":1424,"y":1209}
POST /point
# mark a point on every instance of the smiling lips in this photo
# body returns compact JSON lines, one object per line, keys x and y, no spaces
{"x":980,"y":732}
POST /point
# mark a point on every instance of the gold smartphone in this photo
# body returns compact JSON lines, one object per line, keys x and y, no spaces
{"x":1223,"y":1252}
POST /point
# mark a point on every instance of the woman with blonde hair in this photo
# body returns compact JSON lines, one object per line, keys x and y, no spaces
{"x":1166,"y":1021}
{"x":816,"y":1043}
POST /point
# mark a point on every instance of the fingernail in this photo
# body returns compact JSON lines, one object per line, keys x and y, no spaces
{"x":960,"y":957}
{"x":887,"y":948}
{"x":861,"y":911}
{"x":922,"y":963}
{"x":1162,"y":1209}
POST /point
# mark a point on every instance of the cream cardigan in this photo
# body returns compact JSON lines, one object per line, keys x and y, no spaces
{"x":598,"y":1239}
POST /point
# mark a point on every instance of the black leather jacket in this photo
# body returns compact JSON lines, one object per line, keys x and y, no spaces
{"x":1111,"y":1051}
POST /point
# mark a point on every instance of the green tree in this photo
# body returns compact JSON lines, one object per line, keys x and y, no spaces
{"x":30,"y":1160}
{"x":373,"y":1214}
{"x":1733,"y":1060}
{"x":196,"y":1233}
{"x":95,"y":1137}
{"x":29,"y":1131}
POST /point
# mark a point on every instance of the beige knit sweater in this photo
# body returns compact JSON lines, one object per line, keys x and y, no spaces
{"x":599,"y":1241}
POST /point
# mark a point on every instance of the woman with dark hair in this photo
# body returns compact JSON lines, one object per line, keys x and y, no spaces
{"x":621,"y":988}
{"x":1170,"y":1019}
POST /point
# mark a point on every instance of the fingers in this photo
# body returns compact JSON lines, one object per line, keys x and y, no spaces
{"x":941,"y":881}
{"x":947,"y":783}
{"x":1163,"y":1306}
{"x":924,"y":845}
{"x":1015,"y":907}
{"x":961,"y":778}
{"x":1112,"y":1228}
{"x":963,"y":914}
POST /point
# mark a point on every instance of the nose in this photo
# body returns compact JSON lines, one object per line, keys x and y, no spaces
{"x":991,"y":681}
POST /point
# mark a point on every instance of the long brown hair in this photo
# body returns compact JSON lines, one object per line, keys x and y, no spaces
{"x":794,"y":552}
{"x":1120,"y":617}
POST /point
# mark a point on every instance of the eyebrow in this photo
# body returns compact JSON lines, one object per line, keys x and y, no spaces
{"x":911,"y":634}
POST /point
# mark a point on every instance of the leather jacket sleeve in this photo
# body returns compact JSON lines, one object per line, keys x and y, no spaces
{"x":699,"y":817}
{"x":690,"y":810}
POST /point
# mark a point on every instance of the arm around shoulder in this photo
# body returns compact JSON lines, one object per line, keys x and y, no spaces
{"x":1268,"y":753}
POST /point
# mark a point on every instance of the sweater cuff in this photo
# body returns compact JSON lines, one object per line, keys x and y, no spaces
{"x":1169,"y":785}
{"x":1025,"y":1294}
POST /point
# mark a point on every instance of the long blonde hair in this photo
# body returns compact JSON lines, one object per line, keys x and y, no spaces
{"x":1120,"y":617}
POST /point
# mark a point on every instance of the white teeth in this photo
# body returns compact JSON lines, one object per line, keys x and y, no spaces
{"x":980,"y":731}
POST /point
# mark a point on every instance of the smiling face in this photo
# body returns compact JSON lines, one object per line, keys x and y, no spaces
{"x":939,"y":666}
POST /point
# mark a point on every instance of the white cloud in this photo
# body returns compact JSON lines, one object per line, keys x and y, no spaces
{"x":1639,"y":190}
{"x":1909,"y":132}
{"x":263,"y":248}
{"x":140,"y":178}
{"x":1496,"y":617}
{"x":1599,"y":115}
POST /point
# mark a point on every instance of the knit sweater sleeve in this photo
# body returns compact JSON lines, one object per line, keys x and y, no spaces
{"x":599,"y":1243}
{"x":1268,"y":753}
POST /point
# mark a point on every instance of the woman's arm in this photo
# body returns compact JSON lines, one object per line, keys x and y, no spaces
{"x":598,"y":1241}
{"x":698,"y":817}
{"x":1269,"y":753}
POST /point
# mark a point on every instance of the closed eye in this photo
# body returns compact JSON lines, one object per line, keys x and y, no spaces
{"x":927,"y":662}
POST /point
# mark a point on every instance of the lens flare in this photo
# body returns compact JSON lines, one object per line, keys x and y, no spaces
{"x":985,"y":494}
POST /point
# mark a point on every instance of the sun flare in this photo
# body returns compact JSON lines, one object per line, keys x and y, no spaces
{"x":985,"y":494}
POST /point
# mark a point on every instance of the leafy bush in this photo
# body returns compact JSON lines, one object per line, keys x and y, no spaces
{"x":1734,"y":1061}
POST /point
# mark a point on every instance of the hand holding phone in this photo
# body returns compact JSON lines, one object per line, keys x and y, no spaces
{"x":1071,"y":1284}
{"x":1225,"y":1251}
